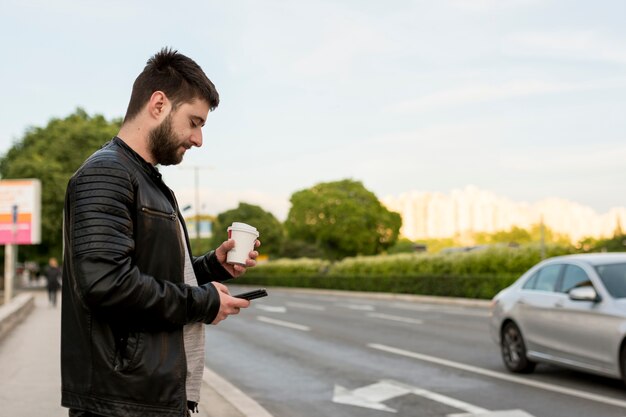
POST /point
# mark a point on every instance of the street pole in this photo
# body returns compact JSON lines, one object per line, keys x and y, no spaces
{"x":10,"y":253}
{"x":542,"y":237}
{"x":10,"y":259}
{"x":197,"y":187}
{"x":197,"y":169}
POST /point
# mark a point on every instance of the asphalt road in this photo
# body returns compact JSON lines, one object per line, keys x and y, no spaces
{"x":300,"y":354}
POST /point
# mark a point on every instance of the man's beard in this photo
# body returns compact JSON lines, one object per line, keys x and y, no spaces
{"x":162,"y":143}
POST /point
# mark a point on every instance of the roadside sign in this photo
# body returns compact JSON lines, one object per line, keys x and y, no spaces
{"x":20,"y":212}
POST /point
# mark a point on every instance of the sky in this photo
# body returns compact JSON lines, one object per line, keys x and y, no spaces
{"x":524,"y":98}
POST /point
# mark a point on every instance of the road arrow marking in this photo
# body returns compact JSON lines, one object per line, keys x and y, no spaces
{"x":373,"y":395}
{"x":369,"y":396}
{"x":449,"y":401}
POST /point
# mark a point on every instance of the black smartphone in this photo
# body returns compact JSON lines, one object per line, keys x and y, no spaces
{"x":251,"y":295}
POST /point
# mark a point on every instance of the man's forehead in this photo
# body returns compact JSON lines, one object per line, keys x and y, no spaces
{"x":196,"y":107}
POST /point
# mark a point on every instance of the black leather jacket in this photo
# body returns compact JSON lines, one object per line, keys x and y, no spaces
{"x":124,"y":297}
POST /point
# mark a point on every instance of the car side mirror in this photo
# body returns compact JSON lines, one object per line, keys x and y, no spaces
{"x":586,"y":293}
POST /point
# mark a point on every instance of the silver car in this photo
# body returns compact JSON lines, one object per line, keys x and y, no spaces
{"x":568,"y":311}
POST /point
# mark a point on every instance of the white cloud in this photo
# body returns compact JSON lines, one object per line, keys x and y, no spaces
{"x":484,"y":92}
{"x":213,"y":201}
{"x":476,"y":93}
{"x":344,"y":42}
{"x":589,"y":161}
{"x":584,"y":46}
{"x":488,"y":5}
{"x":116,"y":9}
{"x":465,"y":134}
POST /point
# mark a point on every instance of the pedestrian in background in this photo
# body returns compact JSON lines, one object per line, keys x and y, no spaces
{"x":134,"y":299}
{"x":53,"y":280}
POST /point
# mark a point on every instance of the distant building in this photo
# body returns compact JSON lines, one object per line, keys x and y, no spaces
{"x":206,"y":226}
{"x":462,"y":212}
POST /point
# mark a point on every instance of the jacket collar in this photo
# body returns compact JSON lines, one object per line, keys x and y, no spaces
{"x":148,"y":167}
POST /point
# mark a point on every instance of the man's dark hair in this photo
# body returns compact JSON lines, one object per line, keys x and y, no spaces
{"x":179,"y":77}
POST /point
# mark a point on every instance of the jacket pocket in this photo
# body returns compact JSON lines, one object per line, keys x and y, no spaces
{"x":127,"y":348}
{"x":159,"y":213}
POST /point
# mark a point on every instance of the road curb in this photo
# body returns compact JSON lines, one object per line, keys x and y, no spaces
{"x":429,"y":299}
{"x":13,"y":313}
{"x":242,"y":404}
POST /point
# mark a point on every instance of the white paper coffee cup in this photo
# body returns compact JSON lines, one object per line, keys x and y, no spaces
{"x":244,"y":236}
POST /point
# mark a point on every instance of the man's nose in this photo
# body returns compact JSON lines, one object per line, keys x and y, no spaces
{"x":196,"y":139}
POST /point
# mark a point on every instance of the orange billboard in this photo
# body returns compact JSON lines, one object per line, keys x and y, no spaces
{"x":20,"y":212}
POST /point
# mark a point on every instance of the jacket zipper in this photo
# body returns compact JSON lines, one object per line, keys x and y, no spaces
{"x":171,"y":215}
{"x":186,"y":248}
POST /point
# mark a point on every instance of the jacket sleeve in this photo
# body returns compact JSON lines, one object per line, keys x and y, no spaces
{"x":99,"y":226}
{"x":207,"y":268}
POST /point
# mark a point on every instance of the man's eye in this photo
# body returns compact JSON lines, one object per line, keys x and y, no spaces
{"x":194,"y":124}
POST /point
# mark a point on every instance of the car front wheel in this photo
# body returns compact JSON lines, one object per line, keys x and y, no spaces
{"x":622,"y":362}
{"x":514,"y":350}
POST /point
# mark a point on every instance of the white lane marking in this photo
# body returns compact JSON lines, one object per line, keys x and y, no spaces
{"x":502,"y":413}
{"x":307,"y":306}
{"x":358,"y":307}
{"x":506,"y":377}
{"x":246,"y":405}
{"x":440,"y":398}
{"x":395,"y":318}
{"x":283,"y":323}
{"x":444,"y":310}
{"x":316,"y":297}
{"x":272,"y":309}
{"x":449,"y":401}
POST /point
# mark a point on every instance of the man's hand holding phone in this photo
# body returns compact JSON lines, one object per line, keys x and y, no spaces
{"x":228,"y":304}
{"x":252,"y":295}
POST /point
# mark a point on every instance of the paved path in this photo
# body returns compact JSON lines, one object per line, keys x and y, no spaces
{"x":30,"y":381}
{"x":30,"y":376}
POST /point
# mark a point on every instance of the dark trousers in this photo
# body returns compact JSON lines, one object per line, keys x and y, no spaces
{"x":80,"y":413}
{"x":193,"y":407}
{"x":52,"y":296}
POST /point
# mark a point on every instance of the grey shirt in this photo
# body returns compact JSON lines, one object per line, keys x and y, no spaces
{"x":193,"y":335}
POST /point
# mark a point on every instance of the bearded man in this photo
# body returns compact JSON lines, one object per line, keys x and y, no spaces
{"x":134,"y":299}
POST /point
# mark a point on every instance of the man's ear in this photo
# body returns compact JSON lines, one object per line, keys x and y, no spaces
{"x":158,"y":105}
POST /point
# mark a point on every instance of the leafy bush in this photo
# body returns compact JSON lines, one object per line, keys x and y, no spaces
{"x":475,"y":274}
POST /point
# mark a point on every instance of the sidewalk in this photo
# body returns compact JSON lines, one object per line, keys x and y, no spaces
{"x":30,"y":376}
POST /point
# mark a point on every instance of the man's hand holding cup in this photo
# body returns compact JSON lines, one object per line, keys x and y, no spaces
{"x":238,"y":252}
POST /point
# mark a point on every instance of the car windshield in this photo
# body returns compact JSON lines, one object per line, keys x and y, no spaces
{"x":613,"y":277}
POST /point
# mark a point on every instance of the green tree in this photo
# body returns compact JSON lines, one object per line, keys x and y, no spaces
{"x":617,"y":243}
{"x":52,"y":154}
{"x":271,"y":232}
{"x":300,"y":249}
{"x":342,"y":219}
{"x":514,"y":235}
{"x":549,"y":236}
{"x":521,"y":236}
{"x":404,"y":245}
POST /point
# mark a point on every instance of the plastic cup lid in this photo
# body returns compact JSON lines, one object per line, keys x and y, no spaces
{"x":243,"y":226}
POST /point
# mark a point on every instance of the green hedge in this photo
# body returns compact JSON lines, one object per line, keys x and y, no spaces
{"x":476,"y":274}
